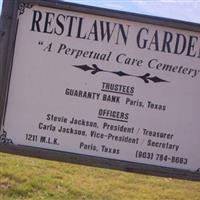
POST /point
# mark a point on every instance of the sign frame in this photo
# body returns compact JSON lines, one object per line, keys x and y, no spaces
{"x":8,"y":29}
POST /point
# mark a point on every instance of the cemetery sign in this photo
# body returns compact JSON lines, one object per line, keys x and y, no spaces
{"x":100,"y":87}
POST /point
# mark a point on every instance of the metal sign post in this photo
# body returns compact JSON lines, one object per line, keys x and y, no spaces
{"x":100,"y":87}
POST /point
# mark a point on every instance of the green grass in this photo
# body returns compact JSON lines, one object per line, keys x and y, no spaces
{"x":23,"y":178}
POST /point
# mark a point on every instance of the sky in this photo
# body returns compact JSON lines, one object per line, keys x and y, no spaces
{"x":186,"y":10}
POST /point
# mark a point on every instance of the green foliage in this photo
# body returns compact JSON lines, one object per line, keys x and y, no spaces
{"x":24,"y":178}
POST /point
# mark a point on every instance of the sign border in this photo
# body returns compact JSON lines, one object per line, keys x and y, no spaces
{"x":8,"y":29}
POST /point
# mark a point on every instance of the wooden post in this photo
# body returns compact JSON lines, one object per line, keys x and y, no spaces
{"x":6,"y":21}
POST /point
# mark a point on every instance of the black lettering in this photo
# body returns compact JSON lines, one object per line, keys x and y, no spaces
{"x":60,"y":24}
{"x":80,"y":28}
{"x":93,"y":31}
{"x":166,"y":42}
{"x":48,"y":48}
{"x":37,"y":16}
{"x":71,"y":21}
{"x":48,"y":21}
{"x":124,"y":35}
{"x":105,"y":30}
{"x":178,"y":39}
{"x":154,"y":41}
{"x":191,"y":46}
{"x":142,"y":44}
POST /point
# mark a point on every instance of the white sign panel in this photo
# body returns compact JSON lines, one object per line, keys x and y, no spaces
{"x":105,"y":87}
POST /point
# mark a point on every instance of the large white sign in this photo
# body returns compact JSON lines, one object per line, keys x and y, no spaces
{"x":105,"y":87}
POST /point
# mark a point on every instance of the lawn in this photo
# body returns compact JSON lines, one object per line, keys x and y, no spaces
{"x":23,"y":178}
